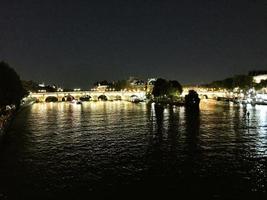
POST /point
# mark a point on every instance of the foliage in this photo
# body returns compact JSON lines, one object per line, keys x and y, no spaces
{"x":104,"y":82}
{"x":175,"y":89}
{"x":11,"y":89}
{"x":121,"y":85}
{"x":164,"y":88}
{"x":30,"y":86}
{"x":241,"y":81}
{"x":260,"y":85}
{"x":160,"y":88}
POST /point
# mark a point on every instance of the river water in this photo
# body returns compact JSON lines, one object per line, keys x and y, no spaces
{"x":112,"y":148}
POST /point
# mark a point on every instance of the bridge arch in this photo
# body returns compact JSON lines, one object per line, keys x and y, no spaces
{"x":51,"y":99}
{"x":85,"y":98}
{"x":204,"y":96}
{"x":118,"y":98}
{"x":134,"y":98}
{"x":102,"y":97}
{"x":68,"y":98}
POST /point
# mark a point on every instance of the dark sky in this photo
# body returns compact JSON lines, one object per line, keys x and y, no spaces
{"x":74,"y":43}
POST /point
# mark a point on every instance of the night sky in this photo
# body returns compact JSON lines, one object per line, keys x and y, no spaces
{"x":74,"y":43}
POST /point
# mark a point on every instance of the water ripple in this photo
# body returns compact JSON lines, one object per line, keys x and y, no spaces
{"x":66,"y":149}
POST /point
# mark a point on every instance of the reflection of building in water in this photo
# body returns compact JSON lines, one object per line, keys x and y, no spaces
{"x":259,"y":121}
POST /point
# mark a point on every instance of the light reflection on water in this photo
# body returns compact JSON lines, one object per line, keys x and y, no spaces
{"x":68,"y":149}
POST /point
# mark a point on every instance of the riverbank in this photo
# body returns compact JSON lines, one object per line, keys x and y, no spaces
{"x":5,"y":119}
{"x":8,"y":114}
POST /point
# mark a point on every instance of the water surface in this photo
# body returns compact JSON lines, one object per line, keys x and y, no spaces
{"x":106,"y":148}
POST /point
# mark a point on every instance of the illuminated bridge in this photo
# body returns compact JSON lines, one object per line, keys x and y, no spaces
{"x":211,"y":94}
{"x":120,"y":95}
{"x":90,"y":95}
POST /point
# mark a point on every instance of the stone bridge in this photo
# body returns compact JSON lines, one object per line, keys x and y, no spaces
{"x":89,"y":95}
{"x":209,"y":94}
{"x":118,"y":95}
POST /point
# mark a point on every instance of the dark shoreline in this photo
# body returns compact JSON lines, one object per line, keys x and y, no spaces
{"x":6,"y":120}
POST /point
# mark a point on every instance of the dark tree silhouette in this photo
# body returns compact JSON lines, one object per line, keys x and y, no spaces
{"x":160,"y":88}
{"x":260,"y":85}
{"x":242,"y":81}
{"x":121,"y":84}
{"x":175,"y":89}
{"x":177,"y":86}
{"x":30,"y":86}
{"x":164,"y":88}
{"x":11,"y":89}
{"x":104,"y":82}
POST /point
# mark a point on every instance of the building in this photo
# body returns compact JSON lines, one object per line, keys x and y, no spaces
{"x":258,"y":76}
{"x":136,"y":83}
{"x":150,"y":84}
{"x":100,"y":88}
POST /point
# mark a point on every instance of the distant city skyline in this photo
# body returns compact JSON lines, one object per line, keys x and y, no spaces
{"x":73,"y":44}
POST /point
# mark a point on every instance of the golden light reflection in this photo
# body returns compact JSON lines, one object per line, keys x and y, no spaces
{"x":208,"y":104}
{"x":261,"y":119}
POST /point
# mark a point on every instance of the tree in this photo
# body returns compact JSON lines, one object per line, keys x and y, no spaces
{"x":30,"y":86}
{"x":160,"y":88}
{"x":104,"y":82}
{"x":175,"y":89}
{"x":242,"y":81}
{"x":121,"y":85}
{"x":164,"y":88}
{"x":11,"y":89}
{"x":262,"y":84}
